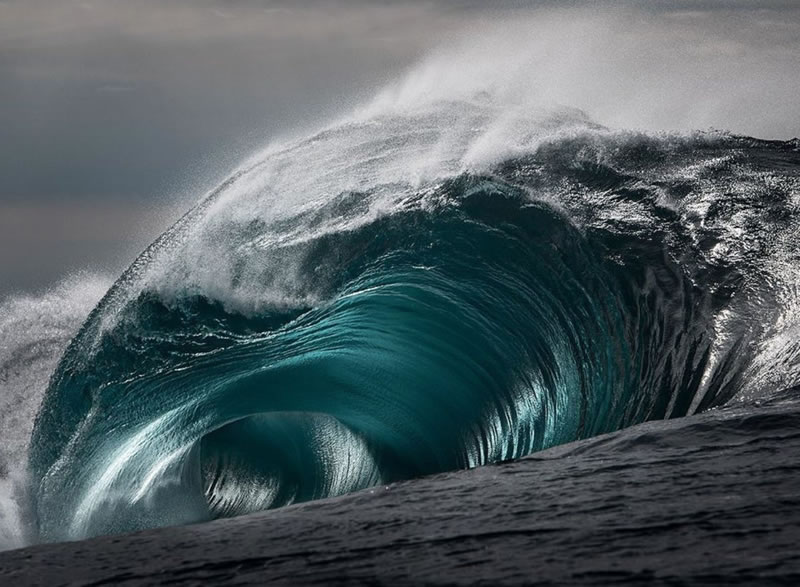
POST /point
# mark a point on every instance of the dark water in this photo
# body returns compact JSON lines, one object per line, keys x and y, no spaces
{"x":705,"y":500}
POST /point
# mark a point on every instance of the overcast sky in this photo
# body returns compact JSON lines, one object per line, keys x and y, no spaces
{"x":115,"y":116}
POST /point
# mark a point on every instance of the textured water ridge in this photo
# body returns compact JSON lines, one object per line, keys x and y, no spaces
{"x":324,"y":322}
{"x":705,"y":500}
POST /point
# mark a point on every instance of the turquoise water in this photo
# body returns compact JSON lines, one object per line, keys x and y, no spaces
{"x":362,"y":306}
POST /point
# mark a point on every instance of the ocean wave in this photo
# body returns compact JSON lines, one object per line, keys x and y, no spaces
{"x":397,"y":295}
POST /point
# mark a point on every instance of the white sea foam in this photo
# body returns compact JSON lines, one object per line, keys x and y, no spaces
{"x":34,"y":330}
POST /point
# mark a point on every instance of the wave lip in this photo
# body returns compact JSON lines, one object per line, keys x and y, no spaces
{"x":300,"y":335}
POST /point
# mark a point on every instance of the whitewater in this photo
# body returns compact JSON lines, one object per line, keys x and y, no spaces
{"x":453,"y":275}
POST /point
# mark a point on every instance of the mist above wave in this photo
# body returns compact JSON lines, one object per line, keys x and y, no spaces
{"x":34,"y":331}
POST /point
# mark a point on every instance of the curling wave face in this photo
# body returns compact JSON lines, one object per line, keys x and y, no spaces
{"x":419,"y":290}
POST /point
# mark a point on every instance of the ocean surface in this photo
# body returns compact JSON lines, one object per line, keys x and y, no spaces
{"x":710,"y":499}
{"x":426,"y":286}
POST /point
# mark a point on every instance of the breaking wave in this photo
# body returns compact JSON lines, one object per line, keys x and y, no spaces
{"x":433,"y":283}
{"x":378,"y":302}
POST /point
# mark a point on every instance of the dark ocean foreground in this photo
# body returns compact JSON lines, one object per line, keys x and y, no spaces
{"x":704,"y":500}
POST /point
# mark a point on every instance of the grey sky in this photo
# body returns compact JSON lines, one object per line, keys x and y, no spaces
{"x":116,"y":115}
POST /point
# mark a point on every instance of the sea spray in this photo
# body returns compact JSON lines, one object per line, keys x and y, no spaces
{"x":34,"y":331}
